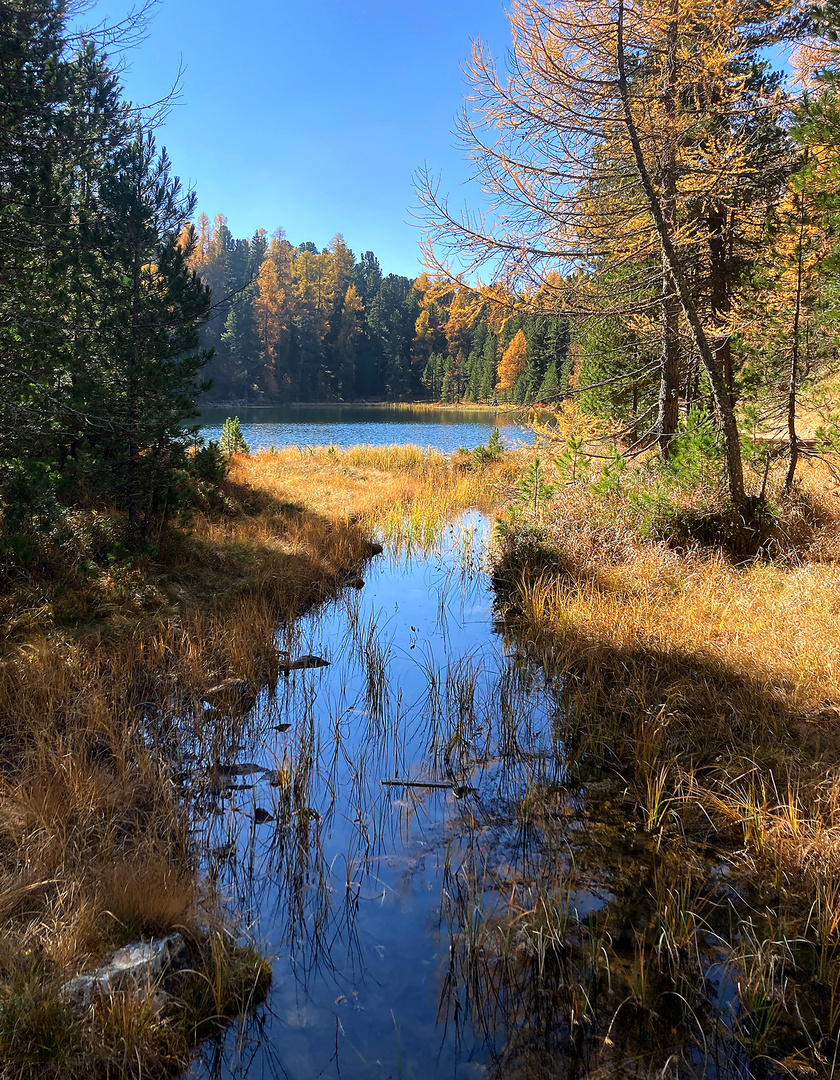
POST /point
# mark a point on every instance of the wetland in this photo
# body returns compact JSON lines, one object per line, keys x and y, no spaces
{"x":448,"y":886}
{"x":478,"y":774}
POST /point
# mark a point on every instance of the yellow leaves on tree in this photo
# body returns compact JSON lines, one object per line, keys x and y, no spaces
{"x":512,"y":363}
{"x":268,"y":306}
{"x":314,"y":284}
{"x":341,"y":264}
{"x":200,"y":255}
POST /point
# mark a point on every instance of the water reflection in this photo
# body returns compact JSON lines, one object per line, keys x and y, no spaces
{"x":346,"y":885}
{"x":439,"y":895}
{"x":353,"y":425}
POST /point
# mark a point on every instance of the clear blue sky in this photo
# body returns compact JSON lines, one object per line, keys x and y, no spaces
{"x":313,"y":114}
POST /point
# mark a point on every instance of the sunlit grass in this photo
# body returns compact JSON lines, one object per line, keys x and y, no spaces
{"x":367,"y":481}
{"x":708,"y":690}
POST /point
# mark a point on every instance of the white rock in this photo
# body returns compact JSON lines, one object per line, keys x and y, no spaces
{"x":132,"y":968}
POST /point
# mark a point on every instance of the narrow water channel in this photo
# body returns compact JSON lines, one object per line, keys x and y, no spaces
{"x":358,"y":880}
{"x":406,"y":832}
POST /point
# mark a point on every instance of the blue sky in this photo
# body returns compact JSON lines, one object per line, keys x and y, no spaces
{"x":313,"y":114}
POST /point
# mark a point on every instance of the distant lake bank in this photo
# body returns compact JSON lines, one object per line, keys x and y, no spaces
{"x":440,"y":427}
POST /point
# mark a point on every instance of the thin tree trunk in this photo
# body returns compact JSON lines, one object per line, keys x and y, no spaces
{"x":669,"y":372}
{"x":732,"y":445}
{"x":793,"y":381}
{"x":719,"y":294}
{"x":133,"y":390}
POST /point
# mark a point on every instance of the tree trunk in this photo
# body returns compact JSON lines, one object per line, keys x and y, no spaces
{"x":132,"y":493}
{"x":793,"y":381}
{"x":669,"y":371}
{"x":732,"y":445}
{"x":719,"y":297}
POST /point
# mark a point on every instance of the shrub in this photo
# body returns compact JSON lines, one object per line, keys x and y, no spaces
{"x":232,"y":441}
{"x":492,"y":451}
{"x":210,"y":462}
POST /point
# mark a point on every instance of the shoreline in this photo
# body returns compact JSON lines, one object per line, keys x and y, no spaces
{"x":422,"y":406}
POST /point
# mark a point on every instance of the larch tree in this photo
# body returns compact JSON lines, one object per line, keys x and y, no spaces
{"x":268,"y":309}
{"x":790,"y":321}
{"x":616,"y":128}
{"x":512,"y":363}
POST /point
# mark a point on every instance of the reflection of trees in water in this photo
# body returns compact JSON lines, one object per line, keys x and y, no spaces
{"x":577,"y":945}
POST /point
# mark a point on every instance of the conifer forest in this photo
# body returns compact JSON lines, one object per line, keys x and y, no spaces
{"x":436,"y":674}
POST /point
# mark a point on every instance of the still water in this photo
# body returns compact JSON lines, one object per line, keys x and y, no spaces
{"x":440,"y":897}
{"x":352,"y":425}
{"x":367,"y":887}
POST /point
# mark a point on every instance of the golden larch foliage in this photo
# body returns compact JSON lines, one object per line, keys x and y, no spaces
{"x":512,"y":363}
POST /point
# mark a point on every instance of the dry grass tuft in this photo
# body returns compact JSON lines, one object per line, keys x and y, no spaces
{"x":103,"y":672}
{"x":705,"y":685}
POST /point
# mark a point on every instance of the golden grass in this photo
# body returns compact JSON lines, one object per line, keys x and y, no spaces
{"x":363,"y":481}
{"x":727,"y":676}
{"x":94,"y":828}
{"x":700,"y":711}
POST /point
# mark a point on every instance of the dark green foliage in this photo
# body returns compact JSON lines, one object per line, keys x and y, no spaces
{"x":618,"y":376}
{"x":697,"y":452}
{"x":100,"y":364}
{"x":210,"y":463}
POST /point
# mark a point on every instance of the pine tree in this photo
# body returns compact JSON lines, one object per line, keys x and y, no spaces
{"x":156,"y":305}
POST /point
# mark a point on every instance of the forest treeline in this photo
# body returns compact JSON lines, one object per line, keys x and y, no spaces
{"x":670,"y":247}
{"x":292,"y":323}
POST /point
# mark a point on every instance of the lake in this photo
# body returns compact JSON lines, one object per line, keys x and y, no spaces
{"x":376,"y":425}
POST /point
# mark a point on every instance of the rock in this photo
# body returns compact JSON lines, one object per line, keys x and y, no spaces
{"x":354,"y":582}
{"x":246,"y":768}
{"x":237,"y":695}
{"x":135,"y":967}
{"x":304,"y":662}
{"x":163,"y":1003}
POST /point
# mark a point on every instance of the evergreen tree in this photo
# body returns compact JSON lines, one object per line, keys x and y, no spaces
{"x":156,"y":305}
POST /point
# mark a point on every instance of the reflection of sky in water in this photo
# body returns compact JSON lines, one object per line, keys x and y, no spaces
{"x":345,"y":426}
{"x":359,"y":970}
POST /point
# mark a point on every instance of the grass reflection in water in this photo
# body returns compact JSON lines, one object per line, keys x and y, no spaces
{"x":514,"y":918}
